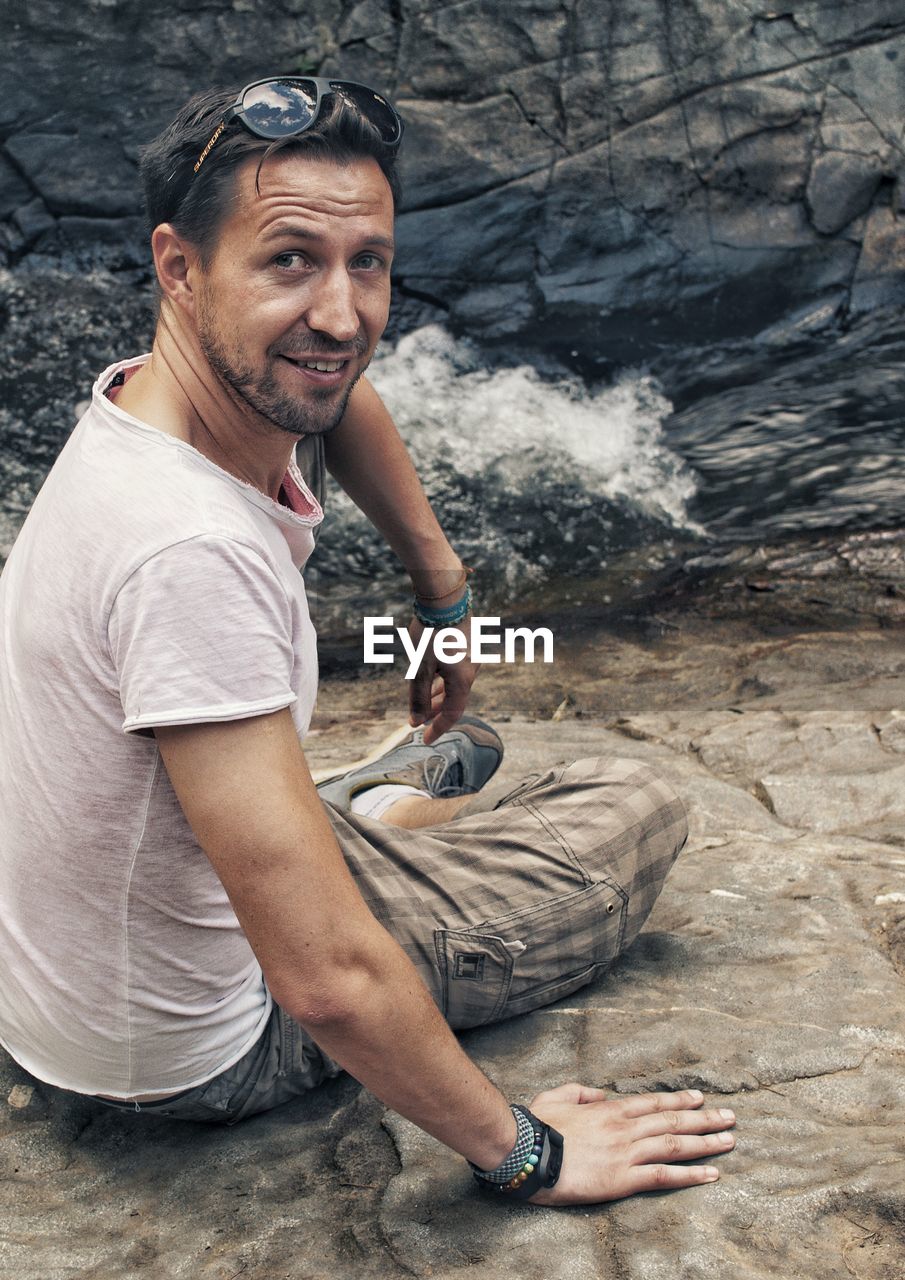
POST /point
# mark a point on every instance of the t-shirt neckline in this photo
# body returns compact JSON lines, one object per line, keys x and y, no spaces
{"x":304,"y":508}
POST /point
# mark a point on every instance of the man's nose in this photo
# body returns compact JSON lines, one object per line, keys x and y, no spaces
{"x":332,"y":309}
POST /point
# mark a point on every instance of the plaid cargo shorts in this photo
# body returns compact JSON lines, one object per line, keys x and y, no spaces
{"x":521,"y":899}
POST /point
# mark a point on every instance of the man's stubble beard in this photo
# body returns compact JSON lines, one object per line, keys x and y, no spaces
{"x":316,"y":415}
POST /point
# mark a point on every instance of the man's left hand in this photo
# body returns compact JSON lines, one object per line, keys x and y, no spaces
{"x":439,"y":690}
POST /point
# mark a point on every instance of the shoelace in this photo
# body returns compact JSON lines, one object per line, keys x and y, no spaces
{"x":443,"y":777}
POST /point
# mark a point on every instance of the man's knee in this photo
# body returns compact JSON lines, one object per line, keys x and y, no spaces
{"x":641,"y":800}
{"x":651,"y":828}
{"x":626,"y":825}
{"x":659,"y":807}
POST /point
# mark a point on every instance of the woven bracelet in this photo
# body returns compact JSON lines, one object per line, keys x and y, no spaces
{"x":447,"y":617}
{"x":515,"y":1161}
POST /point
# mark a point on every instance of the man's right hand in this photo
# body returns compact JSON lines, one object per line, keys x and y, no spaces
{"x":619,"y":1146}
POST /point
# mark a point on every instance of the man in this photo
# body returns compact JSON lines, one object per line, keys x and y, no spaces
{"x":187,"y":927}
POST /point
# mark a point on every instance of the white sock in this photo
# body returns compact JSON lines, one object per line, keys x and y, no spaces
{"x":374,"y":802}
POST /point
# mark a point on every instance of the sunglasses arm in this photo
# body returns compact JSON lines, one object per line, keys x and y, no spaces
{"x":228,"y":115}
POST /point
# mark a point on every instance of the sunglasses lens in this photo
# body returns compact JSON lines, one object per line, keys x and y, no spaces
{"x":279,"y":108}
{"x":376,"y":110}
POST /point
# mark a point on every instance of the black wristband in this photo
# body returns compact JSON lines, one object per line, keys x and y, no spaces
{"x":542,"y":1167}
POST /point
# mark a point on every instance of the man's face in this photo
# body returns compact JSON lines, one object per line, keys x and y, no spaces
{"x":297,"y":293}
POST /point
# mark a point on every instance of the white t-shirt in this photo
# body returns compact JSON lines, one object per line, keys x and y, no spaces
{"x":147,"y":587}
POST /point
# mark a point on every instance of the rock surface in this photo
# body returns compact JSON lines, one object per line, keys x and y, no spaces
{"x":596,"y":172}
{"x":770,"y":975}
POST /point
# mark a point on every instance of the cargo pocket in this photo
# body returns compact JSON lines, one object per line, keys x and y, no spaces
{"x":476,"y":970}
{"x":560,"y":945}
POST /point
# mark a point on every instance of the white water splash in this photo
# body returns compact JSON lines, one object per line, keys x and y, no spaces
{"x":447,"y":406}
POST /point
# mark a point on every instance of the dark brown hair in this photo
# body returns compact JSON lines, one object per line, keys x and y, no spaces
{"x":195,"y":203}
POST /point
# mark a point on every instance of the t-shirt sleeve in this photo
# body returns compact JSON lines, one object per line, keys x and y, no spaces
{"x":202,"y":631}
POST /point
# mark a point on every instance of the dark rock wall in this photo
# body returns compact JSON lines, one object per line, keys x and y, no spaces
{"x":583,"y":170}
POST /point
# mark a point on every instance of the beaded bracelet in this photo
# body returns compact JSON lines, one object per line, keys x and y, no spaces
{"x":542,"y":1166}
{"x":447,"y":617}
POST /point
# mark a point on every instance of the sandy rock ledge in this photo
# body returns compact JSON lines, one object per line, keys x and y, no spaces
{"x":769,"y":975}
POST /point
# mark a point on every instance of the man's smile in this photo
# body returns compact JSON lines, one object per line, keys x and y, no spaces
{"x":325,"y":366}
{"x":321,"y":370}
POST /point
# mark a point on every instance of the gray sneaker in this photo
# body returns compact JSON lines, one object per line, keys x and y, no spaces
{"x":457,"y":764}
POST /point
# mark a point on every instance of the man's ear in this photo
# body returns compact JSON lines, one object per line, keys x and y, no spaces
{"x":174,"y":259}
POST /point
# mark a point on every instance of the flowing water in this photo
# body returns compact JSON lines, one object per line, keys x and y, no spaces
{"x":545,"y":479}
{"x":532,"y":477}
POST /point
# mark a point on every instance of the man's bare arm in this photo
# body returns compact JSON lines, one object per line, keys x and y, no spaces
{"x":367,"y":456}
{"x":247,"y":793}
{"x":365,"y":453}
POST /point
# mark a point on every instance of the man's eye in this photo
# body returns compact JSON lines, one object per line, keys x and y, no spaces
{"x":289,"y":261}
{"x":369,"y":261}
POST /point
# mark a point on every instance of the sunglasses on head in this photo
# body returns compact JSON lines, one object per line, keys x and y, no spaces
{"x":288,"y":105}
